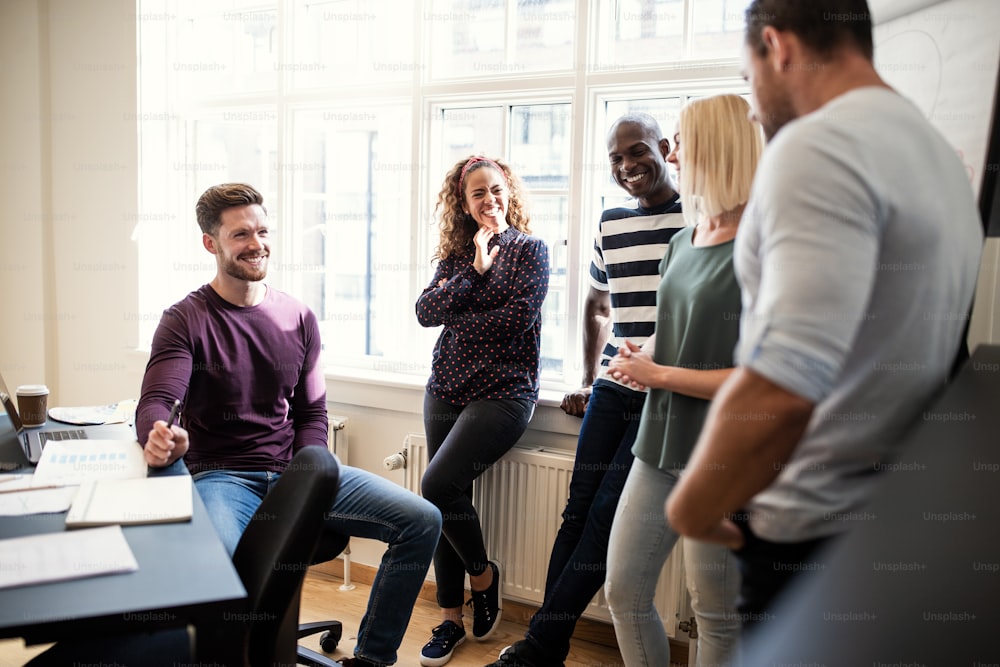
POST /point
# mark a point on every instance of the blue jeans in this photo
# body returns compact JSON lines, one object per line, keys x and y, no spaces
{"x":578,"y":561}
{"x":366,"y":506}
{"x":462,"y":443}
{"x":641,"y":541}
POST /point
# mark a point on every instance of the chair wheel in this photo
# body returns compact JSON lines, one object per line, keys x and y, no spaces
{"x":328,"y":643}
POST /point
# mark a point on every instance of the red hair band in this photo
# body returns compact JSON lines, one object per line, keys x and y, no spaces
{"x":475,"y":160}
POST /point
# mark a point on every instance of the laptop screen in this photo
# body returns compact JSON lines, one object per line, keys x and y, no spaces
{"x":8,"y":405}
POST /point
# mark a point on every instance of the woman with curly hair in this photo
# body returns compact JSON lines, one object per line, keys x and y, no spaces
{"x":487,"y":292}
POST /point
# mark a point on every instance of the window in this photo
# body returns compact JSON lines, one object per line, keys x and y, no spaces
{"x":347,"y":114}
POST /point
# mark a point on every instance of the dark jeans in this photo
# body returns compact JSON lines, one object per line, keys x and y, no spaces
{"x":767,"y":568}
{"x":462,"y":443}
{"x":578,"y":564}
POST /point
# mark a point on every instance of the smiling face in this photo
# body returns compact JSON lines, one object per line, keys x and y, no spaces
{"x":675,"y":155}
{"x":240,"y":244}
{"x":486,"y":197}
{"x":638,"y":163}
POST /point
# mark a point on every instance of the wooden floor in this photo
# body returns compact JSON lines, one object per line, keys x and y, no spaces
{"x":322,"y":599}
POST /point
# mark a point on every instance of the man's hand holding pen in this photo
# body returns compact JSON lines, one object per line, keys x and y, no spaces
{"x":167,"y":441}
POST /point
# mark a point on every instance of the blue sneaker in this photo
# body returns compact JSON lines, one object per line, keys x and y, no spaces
{"x":486,"y":609}
{"x":444,"y":639}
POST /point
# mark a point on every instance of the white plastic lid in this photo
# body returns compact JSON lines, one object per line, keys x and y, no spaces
{"x":32,"y":390}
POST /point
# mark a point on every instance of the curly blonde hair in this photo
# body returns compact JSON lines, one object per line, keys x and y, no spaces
{"x":458,"y":227}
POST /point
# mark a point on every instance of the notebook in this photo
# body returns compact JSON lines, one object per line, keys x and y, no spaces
{"x":126,"y":502}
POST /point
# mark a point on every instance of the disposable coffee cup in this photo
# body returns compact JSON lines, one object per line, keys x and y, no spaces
{"x":32,"y":403}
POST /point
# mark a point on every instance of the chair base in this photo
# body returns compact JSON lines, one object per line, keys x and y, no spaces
{"x":332,"y":631}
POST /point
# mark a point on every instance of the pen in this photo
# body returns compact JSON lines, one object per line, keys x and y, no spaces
{"x":174,"y":411}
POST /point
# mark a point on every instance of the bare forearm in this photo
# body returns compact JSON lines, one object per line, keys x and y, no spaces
{"x":750,"y":432}
{"x":690,"y":381}
{"x":596,"y":330}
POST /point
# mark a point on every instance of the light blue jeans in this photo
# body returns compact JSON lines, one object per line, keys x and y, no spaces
{"x":641,"y":541}
{"x":366,"y":506}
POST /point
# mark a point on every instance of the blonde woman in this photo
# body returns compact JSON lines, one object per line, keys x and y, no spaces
{"x":697,"y":325}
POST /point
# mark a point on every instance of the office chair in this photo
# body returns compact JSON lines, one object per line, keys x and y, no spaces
{"x":330,"y":546}
{"x":271,"y":558}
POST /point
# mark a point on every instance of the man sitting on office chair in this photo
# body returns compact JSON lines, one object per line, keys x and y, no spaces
{"x":244,"y":359}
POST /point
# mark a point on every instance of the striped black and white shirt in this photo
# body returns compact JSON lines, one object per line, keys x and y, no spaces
{"x":628,"y":247}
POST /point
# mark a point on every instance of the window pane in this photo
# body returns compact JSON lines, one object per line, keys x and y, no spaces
{"x":351,"y":181}
{"x":465,"y":132}
{"x":352,"y":41}
{"x":485,"y":38}
{"x":540,"y":144}
{"x":717,"y":28}
{"x":227,"y":52}
{"x":466,"y":37}
{"x":544,"y":34}
{"x":644,"y":32}
{"x":550,"y":221}
{"x":641,"y":32}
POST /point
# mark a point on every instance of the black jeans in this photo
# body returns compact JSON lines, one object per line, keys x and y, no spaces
{"x":462,"y":443}
{"x":767,"y":568}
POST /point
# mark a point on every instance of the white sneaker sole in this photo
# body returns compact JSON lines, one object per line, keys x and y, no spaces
{"x":496,"y":623}
{"x":443,"y":660}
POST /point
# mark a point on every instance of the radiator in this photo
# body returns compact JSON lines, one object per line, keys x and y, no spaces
{"x":337,"y":437}
{"x":520,"y":500}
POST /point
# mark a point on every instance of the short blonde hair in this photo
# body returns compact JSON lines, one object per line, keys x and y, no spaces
{"x":720,"y":148}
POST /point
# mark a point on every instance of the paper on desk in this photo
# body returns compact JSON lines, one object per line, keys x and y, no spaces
{"x":116,"y":413}
{"x":68,"y":555}
{"x":37,"y":501}
{"x":66,"y":462}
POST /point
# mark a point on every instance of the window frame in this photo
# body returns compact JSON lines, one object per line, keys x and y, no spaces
{"x":587,"y":88}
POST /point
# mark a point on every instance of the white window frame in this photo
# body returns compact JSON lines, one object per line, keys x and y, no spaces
{"x":587,"y":89}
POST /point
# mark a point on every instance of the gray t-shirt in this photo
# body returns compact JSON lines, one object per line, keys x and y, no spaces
{"x":857,"y":258}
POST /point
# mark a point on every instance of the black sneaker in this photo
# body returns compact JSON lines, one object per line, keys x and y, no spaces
{"x":486,"y":611}
{"x":523,"y":654}
{"x":355,"y":662}
{"x":444,"y":639}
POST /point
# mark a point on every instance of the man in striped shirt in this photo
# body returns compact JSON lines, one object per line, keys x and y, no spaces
{"x":624,"y":276}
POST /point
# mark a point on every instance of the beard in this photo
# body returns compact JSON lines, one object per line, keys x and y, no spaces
{"x":237,"y":269}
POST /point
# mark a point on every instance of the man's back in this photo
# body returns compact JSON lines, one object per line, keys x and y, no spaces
{"x":858,"y":260}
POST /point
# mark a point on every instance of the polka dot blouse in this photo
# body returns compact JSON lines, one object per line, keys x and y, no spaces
{"x":489,"y":347}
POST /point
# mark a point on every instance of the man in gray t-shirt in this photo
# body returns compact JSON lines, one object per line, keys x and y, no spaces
{"x":857,"y":258}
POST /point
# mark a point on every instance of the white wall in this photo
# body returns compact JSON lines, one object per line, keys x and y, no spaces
{"x":69,"y":185}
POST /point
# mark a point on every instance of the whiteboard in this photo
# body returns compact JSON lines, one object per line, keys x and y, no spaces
{"x":944,"y":56}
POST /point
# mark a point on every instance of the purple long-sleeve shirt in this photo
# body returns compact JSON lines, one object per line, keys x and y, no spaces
{"x":250,"y":379}
{"x":489,"y":347}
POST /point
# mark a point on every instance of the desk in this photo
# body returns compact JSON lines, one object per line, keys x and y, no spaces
{"x":917,"y":581}
{"x":184,"y":576}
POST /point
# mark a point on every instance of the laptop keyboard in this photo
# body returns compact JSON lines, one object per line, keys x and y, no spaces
{"x":67,"y":434}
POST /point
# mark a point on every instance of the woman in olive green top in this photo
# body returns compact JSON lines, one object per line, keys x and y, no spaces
{"x":697,"y":326}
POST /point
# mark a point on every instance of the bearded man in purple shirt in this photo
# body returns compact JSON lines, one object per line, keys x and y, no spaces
{"x":244,"y":359}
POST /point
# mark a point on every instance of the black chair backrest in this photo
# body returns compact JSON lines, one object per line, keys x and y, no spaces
{"x":278,"y":545}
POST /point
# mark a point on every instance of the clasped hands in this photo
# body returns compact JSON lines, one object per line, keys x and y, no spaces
{"x":633,"y":366}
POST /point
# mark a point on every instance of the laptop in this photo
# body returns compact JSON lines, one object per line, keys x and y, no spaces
{"x":33,"y":440}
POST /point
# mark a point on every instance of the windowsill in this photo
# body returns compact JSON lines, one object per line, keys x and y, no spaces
{"x":403,"y":392}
